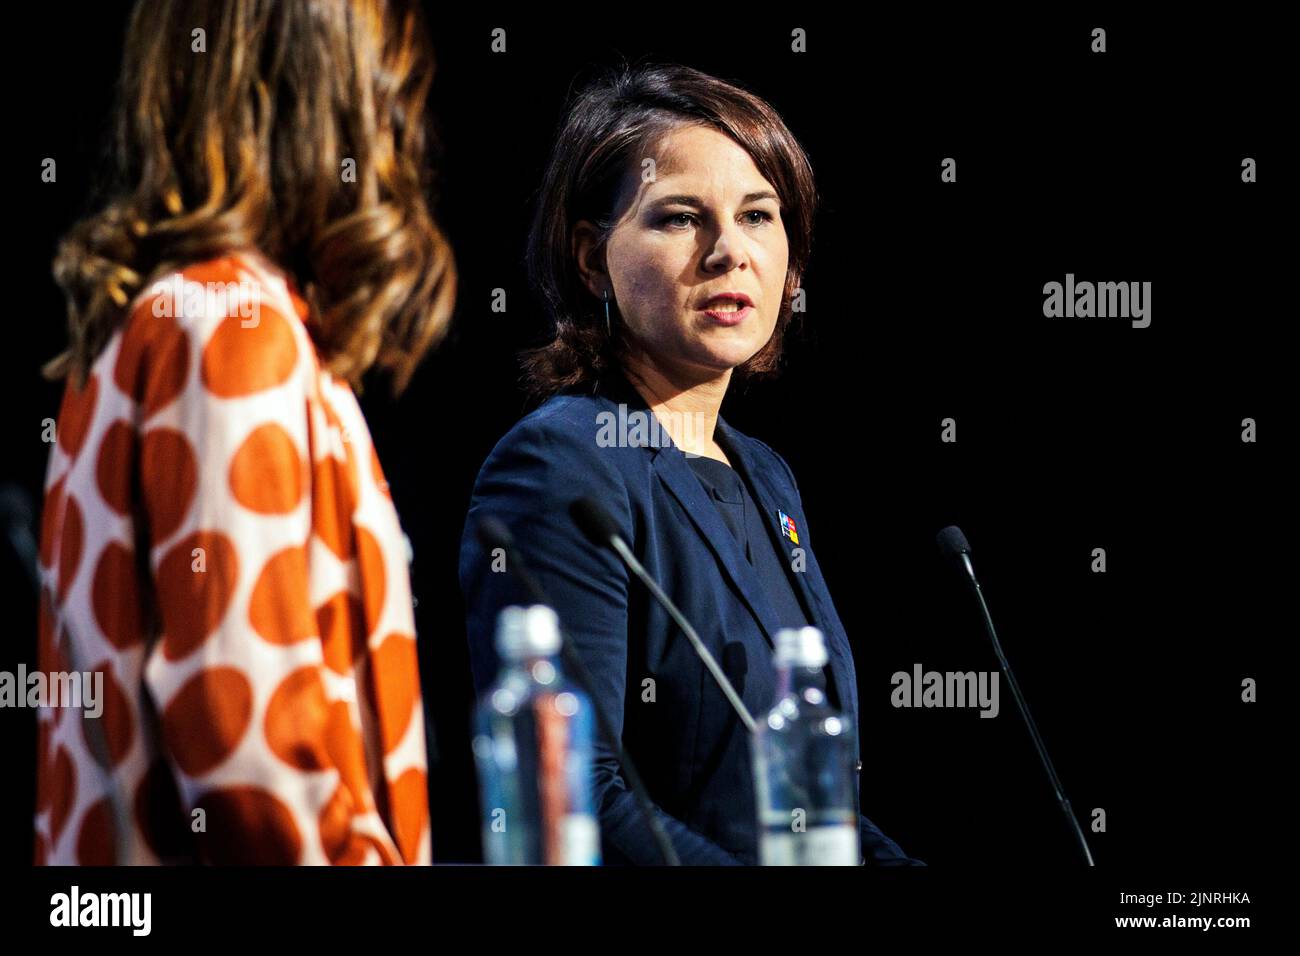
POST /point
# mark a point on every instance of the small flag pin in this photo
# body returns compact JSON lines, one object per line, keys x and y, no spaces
{"x":788,"y":529}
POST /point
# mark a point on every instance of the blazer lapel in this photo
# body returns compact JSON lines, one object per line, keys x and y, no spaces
{"x":772,"y":493}
{"x":671,"y":466}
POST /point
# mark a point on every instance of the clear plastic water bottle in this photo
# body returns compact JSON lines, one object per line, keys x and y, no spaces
{"x":533,"y":750}
{"x":803,"y":764}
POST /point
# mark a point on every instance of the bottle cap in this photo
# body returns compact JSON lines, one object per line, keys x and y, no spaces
{"x":800,"y":647}
{"x":532,"y":631}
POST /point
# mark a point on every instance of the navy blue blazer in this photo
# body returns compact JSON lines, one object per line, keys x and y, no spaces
{"x":690,"y":747}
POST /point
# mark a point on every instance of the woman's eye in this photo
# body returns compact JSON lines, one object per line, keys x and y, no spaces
{"x":680,"y":220}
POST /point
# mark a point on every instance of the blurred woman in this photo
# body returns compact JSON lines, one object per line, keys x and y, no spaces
{"x":217,"y":537}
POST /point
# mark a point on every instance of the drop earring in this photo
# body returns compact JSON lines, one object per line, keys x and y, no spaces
{"x":608,"y":330}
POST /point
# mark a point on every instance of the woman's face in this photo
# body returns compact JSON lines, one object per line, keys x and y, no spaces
{"x":697,"y":256}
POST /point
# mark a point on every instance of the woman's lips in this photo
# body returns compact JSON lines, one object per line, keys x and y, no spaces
{"x":730,"y":316}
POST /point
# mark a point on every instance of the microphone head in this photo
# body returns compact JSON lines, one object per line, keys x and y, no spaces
{"x":594,"y":521}
{"x":952,"y":543}
{"x":493,"y":533}
{"x":15,"y":506}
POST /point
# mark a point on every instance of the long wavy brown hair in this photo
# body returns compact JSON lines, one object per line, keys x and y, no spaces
{"x":234,"y":124}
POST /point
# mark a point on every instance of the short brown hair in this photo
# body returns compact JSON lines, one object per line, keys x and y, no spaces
{"x":245,"y":146}
{"x":607,"y":125}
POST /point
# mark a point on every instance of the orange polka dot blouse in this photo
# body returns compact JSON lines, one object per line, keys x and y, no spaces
{"x":217,"y":539}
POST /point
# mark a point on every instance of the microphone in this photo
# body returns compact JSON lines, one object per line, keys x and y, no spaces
{"x":601,"y":530}
{"x":493,"y":533}
{"x":16,"y":513}
{"x":954,"y":547}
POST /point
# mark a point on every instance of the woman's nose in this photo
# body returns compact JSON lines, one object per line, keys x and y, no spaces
{"x":725,"y":253}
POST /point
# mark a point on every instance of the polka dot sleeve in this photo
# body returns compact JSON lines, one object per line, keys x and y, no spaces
{"x":218,"y":541}
{"x":261,"y":735}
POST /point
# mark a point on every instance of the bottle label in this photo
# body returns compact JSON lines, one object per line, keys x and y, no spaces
{"x":581,"y":840}
{"x":832,"y":846}
{"x":552,"y":782}
{"x":835,"y":845}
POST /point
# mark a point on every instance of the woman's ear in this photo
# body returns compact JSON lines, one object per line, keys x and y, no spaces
{"x":589,"y":256}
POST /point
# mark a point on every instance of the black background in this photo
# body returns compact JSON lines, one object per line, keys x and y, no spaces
{"x":924,"y":302}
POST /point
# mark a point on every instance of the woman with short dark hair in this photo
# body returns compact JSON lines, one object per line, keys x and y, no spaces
{"x":673,"y":230}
